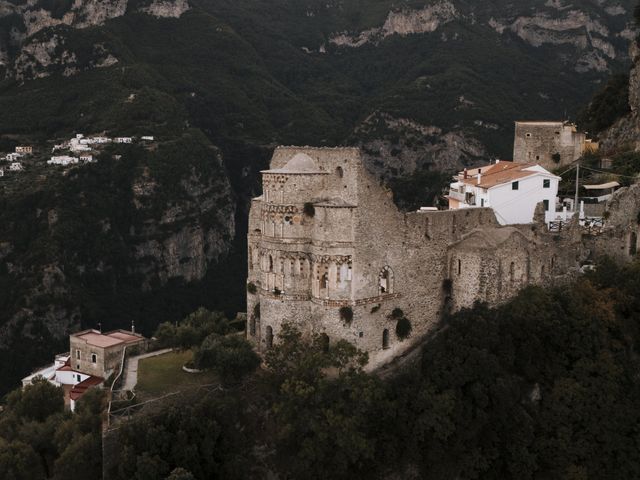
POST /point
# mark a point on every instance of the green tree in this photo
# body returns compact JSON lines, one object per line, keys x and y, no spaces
{"x":18,"y":461}
{"x":37,"y":401}
{"x":232,"y":357}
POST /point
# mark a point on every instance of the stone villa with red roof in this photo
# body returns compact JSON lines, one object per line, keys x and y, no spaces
{"x":93,"y":357}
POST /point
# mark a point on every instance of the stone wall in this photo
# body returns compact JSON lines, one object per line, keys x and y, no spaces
{"x":620,"y":237}
{"x":359,"y":251}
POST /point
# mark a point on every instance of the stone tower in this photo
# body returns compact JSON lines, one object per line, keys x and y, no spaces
{"x":550,"y":144}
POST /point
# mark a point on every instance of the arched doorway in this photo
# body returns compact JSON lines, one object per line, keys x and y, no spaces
{"x":324,"y":341}
{"x":269,"y":337}
{"x":385,"y":339}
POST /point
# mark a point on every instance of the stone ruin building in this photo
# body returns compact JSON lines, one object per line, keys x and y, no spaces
{"x":330,"y":252}
{"x":550,"y":144}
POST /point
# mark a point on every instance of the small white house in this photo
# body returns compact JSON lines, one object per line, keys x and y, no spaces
{"x":16,"y":167}
{"x":63,"y":160}
{"x":12,"y":157}
{"x":1,"y":172}
{"x":511,"y":189}
{"x":86,"y":158}
{"x":147,"y":138}
{"x":123,"y":140}
{"x":26,"y":149}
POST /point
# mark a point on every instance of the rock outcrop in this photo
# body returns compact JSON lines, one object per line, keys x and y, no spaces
{"x":594,"y":36}
{"x":625,"y":133}
{"x":395,"y":147}
{"x":403,"y":22}
{"x":38,"y":46}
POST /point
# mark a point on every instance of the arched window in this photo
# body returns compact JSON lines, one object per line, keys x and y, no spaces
{"x":385,"y":338}
{"x":324,"y":341}
{"x":512,"y":271}
{"x":542,"y":272}
{"x":269,"y":337}
{"x":252,"y":326}
{"x":339,"y":172}
{"x":270,"y":263}
{"x":385,"y":280}
{"x":459,"y":266}
{"x":633,"y":243}
{"x":324,"y":281}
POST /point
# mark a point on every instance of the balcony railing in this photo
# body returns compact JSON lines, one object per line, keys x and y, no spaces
{"x":456,"y":195}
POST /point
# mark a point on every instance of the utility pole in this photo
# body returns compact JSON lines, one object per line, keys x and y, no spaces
{"x":575,"y":204}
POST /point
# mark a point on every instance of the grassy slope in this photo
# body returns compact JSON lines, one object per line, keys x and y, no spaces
{"x":163,"y":374}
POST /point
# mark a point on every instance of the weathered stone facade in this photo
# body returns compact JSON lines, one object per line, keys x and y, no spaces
{"x":326,"y":235}
{"x":550,"y":144}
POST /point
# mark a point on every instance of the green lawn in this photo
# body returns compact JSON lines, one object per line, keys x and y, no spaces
{"x":163,"y":374}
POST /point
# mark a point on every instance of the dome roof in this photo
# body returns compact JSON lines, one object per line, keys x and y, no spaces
{"x":299,"y":163}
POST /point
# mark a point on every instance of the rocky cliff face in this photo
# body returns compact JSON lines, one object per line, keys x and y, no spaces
{"x":403,"y":22}
{"x":595,"y":35}
{"x":31,"y":48}
{"x":625,"y":133}
{"x":395,"y":147}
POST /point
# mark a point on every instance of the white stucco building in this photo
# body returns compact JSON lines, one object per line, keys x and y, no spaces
{"x":62,"y":160}
{"x":511,"y":189}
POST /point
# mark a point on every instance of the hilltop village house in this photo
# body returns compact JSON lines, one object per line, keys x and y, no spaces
{"x":550,"y":144}
{"x":93,"y":357}
{"x":330,"y":252}
{"x":512,"y":190}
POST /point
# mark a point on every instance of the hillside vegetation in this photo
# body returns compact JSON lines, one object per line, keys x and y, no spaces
{"x":541,"y":387}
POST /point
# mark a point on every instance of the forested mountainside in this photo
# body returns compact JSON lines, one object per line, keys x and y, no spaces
{"x":147,"y":234}
{"x":542,"y":387}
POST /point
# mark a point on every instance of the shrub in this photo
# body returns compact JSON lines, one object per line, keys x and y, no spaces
{"x":309,"y":210}
{"x":346,"y":314}
{"x":403,"y":328}
{"x":397,"y":313}
{"x":556,"y":157}
{"x":166,"y":335}
{"x":251,"y":288}
{"x":232,"y":357}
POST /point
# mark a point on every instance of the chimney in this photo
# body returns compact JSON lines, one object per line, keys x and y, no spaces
{"x":465,"y":173}
{"x":479,"y":178}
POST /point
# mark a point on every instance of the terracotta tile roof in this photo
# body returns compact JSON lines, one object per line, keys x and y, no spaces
{"x":125,"y":336}
{"x":499,"y":173}
{"x":105,"y":340}
{"x":78,"y":390}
